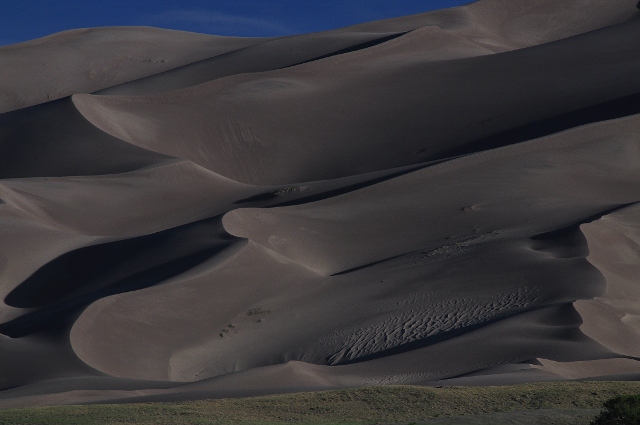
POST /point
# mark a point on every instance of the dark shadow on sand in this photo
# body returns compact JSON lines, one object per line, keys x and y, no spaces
{"x":65,"y":285}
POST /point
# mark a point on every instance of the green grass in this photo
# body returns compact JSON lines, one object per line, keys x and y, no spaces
{"x":384,"y":405}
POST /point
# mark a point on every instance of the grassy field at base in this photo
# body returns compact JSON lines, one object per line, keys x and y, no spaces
{"x":560,"y":402}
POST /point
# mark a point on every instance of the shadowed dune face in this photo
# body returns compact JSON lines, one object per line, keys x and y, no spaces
{"x":386,"y":109}
{"x":62,"y":287}
{"x":450,"y":196}
{"x":54,"y":140}
{"x":458,"y":200}
{"x":265,"y":56}
{"x":86,"y":60}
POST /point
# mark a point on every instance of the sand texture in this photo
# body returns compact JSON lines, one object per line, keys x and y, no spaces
{"x":449,"y":198}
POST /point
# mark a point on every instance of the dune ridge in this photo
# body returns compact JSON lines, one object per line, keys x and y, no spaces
{"x":448,"y":198}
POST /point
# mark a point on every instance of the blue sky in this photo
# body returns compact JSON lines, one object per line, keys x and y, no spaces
{"x":22,"y":20}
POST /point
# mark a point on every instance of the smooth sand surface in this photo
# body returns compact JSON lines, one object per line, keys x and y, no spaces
{"x":449,"y":198}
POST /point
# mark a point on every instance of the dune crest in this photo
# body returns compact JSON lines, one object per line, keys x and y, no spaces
{"x":613,"y":318}
{"x":361,"y":114}
{"x":90,"y":59}
{"x":448,"y":198}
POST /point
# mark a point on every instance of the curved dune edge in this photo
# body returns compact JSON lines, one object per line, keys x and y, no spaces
{"x":613,"y":318}
{"x":325,"y":236}
{"x":87,"y":60}
{"x":156,"y":198}
{"x":449,"y":198}
{"x":54,"y":140}
{"x":362,"y":106}
{"x":460,"y":32}
{"x":590,"y":369}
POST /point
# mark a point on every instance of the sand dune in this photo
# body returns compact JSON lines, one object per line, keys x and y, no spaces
{"x":352,"y":111}
{"x":612,"y":317}
{"x":448,"y":198}
{"x":86,"y":60}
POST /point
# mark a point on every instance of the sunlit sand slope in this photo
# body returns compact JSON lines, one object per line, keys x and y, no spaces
{"x":445,"y":198}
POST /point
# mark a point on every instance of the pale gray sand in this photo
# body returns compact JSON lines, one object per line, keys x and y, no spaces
{"x":444,"y":198}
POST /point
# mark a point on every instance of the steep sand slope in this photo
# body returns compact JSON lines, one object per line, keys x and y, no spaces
{"x":86,"y":60}
{"x":370,"y":110}
{"x":445,"y":198}
{"x":477,"y":29}
{"x":613,"y":318}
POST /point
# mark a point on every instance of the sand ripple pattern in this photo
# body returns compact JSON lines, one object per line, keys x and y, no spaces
{"x":450,"y":196}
